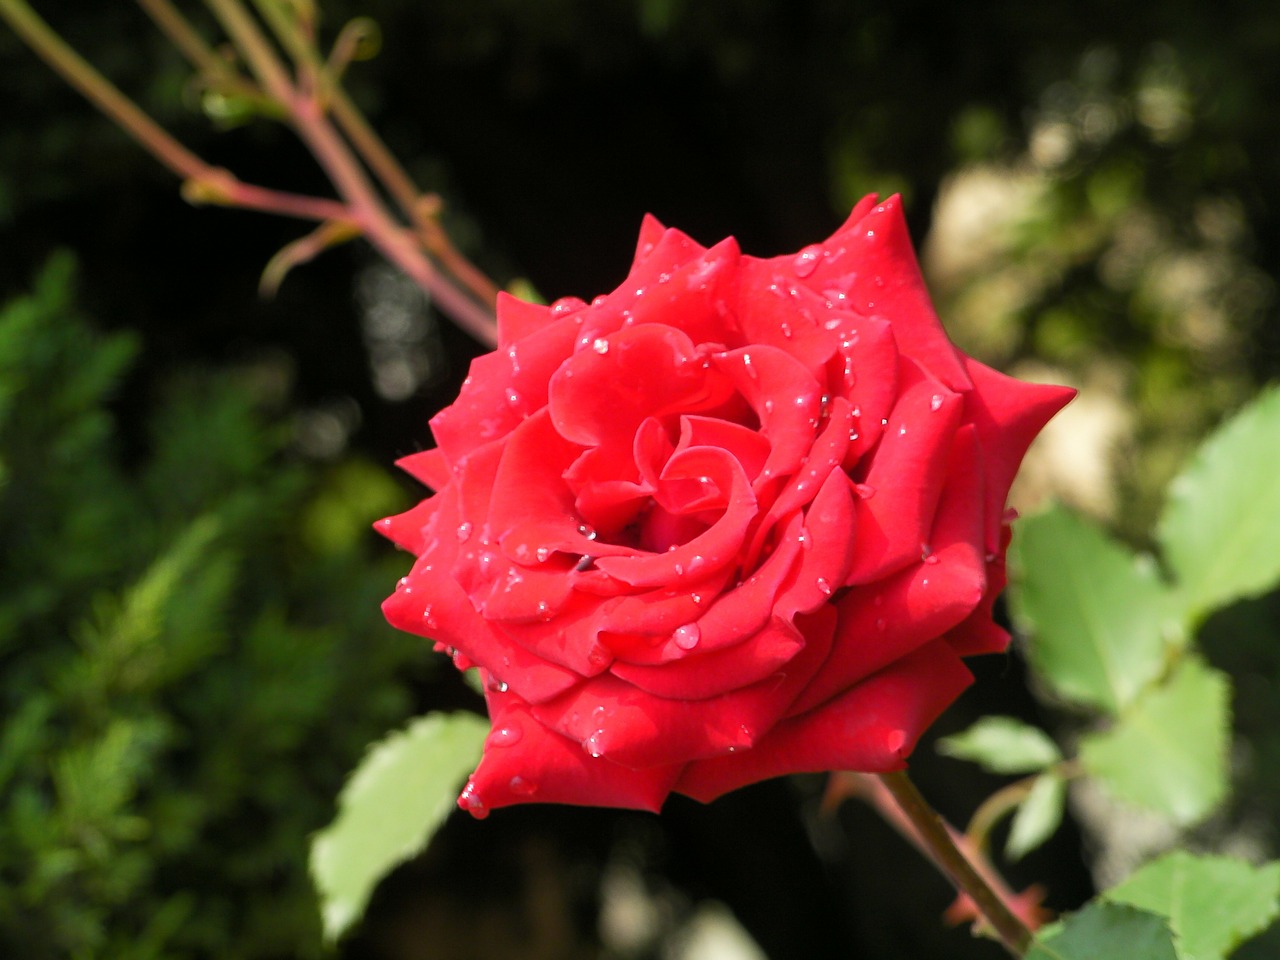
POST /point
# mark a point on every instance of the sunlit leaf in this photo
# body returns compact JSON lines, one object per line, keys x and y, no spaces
{"x":1169,"y":753}
{"x":1037,"y":817}
{"x":1096,"y":616}
{"x":394,"y":802}
{"x":1002,"y":745}
{"x":1221,"y":526}
{"x":1213,"y":903}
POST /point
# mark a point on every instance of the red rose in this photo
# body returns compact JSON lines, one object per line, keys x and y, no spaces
{"x":736,"y":519}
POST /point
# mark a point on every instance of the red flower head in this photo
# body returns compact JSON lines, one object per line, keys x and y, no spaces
{"x":738,"y":518}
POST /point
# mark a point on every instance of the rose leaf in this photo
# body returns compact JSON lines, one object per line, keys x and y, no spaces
{"x":1002,"y":745}
{"x":1037,"y":817}
{"x":1213,"y":903}
{"x":1221,"y":523}
{"x":393,"y":803}
{"x":1169,"y":752}
{"x":1096,"y":616}
{"x":1105,"y":931}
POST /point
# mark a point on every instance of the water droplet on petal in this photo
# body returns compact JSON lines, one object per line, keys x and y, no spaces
{"x":565,"y":305}
{"x":587,"y":531}
{"x":498,"y":686}
{"x":927,"y":554}
{"x":936,"y":403}
{"x":824,"y":586}
{"x":504,"y":737}
{"x":542,"y":553}
{"x":544,"y":610}
{"x":428,"y":620}
{"x":687,"y":637}
{"x":522,"y":787}
{"x":513,"y":397}
{"x":752,"y":372}
{"x":471,"y":802}
{"x":806,"y":260}
{"x":600,"y":345}
{"x":464,"y":532}
{"x":786,"y":329}
{"x":592,"y":745}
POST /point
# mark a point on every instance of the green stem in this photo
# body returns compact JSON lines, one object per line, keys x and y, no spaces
{"x":203,"y":183}
{"x":942,"y":849}
{"x":344,"y":170}
{"x":96,"y":88}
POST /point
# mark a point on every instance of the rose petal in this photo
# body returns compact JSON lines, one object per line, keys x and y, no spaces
{"x":719,"y":545}
{"x":785,"y":396}
{"x":906,"y":475}
{"x":883,"y":621}
{"x":518,"y":319}
{"x":828,"y":548}
{"x":698,"y":676}
{"x":1008,"y":414}
{"x":525,"y":762}
{"x":428,"y":467}
{"x":872,"y":262}
{"x":872,"y":728}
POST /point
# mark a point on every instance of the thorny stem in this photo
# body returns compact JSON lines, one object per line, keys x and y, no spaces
{"x":203,"y":183}
{"x":344,"y":170}
{"x":940,"y":846}
{"x":375,"y":154}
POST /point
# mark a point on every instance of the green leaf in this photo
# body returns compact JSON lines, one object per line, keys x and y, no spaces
{"x":1105,"y":931}
{"x":1221,"y":524}
{"x":1002,"y":745}
{"x":397,"y":798}
{"x":1169,"y":753}
{"x":1213,"y":903}
{"x":1096,"y":616}
{"x":1037,"y":817}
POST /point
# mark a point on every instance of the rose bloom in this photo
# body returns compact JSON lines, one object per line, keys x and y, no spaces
{"x":738,"y":518}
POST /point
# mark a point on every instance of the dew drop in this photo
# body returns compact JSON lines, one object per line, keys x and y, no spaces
{"x":522,"y":787}
{"x":768,"y":406}
{"x":752,"y":372}
{"x":498,"y":686}
{"x":600,"y":345}
{"x":565,"y":305}
{"x":786,"y":329}
{"x":513,"y":397}
{"x":471,"y":802}
{"x":464,"y":531}
{"x":687,"y":637}
{"x":544,"y":610}
{"x":902,"y":430}
{"x":865,"y":490}
{"x":936,"y":403}
{"x":592,"y":745}
{"x":542,"y":553}
{"x":504,"y":737}
{"x":384,"y":524}
{"x":599,"y":300}
{"x":824,"y":586}
{"x":927,"y":554}
{"x":428,"y":619}
{"x":807,"y":260}
{"x":587,"y":531}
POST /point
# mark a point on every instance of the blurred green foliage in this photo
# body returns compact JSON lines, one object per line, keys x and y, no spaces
{"x":191,"y":654}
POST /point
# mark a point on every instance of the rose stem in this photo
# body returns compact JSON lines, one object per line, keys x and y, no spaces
{"x":941,"y":848}
{"x":311,"y":124}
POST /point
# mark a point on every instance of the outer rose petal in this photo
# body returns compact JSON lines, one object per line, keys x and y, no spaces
{"x":872,"y":728}
{"x":524,"y":761}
